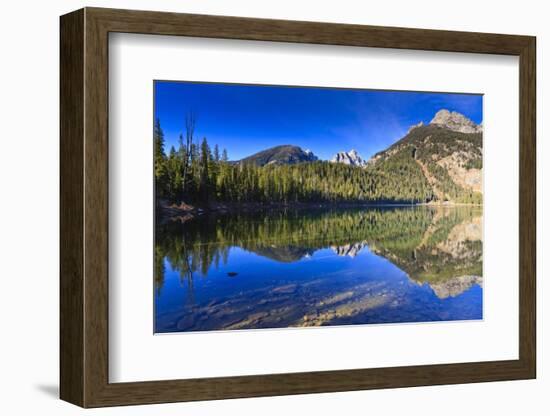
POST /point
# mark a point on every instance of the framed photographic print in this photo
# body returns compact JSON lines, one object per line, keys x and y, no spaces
{"x":261,"y":207}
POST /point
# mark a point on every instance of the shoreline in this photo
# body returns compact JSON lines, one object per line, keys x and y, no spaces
{"x":183,"y":212}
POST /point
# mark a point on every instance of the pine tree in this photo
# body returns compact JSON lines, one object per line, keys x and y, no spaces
{"x":190,"y":124}
{"x":159,"y":161}
{"x":204,"y":170}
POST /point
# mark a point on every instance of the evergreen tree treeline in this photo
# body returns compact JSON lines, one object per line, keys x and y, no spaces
{"x":196,"y":173}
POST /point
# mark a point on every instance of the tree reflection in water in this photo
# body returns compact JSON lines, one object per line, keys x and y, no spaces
{"x":319,"y":267}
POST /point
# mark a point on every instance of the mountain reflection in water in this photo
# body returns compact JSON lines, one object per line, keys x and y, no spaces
{"x":298,"y":268}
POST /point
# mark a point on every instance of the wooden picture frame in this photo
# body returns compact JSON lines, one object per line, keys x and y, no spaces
{"x":84,"y":207}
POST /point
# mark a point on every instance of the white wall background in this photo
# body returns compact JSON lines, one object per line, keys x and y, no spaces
{"x":29,"y":209}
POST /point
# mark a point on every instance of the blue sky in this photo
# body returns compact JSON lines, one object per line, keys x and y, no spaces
{"x":245,"y":119}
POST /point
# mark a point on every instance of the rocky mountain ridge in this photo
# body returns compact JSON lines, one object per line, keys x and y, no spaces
{"x":349,"y":158}
{"x":447,"y":153}
{"x":455,"y":121}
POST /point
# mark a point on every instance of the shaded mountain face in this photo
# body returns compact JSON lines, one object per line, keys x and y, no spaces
{"x":280,"y":155}
{"x":446,"y":154}
{"x":284,"y":253}
{"x":349,"y":158}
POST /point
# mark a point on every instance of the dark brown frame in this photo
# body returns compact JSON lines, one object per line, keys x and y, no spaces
{"x":84,"y":208}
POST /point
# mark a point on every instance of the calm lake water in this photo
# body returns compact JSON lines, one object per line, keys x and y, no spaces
{"x":299,"y":268}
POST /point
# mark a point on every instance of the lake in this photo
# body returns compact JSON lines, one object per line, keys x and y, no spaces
{"x":318,"y":267}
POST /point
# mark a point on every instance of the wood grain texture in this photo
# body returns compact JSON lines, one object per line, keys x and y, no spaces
{"x":162,"y":23}
{"x":84,"y":207}
{"x":71,"y":213}
{"x":96,"y":208}
{"x":527,"y":208}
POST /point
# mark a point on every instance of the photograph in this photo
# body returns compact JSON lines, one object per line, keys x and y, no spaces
{"x":286,"y":206}
{"x":289,"y":206}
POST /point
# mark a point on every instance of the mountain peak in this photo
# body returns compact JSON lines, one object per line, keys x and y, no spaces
{"x":455,"y":121}
{"x":349,"y":158}
{"x":281,"y":155}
